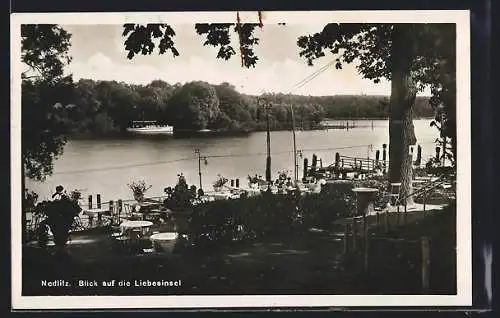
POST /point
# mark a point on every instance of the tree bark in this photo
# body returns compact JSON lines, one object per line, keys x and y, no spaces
{"x":403,"y":94}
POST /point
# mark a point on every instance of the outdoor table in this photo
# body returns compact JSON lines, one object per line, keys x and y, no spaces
{"x":131,"y":225}
{"x":365,"y":199}
{"x":164,"y":242}
{"x":91,"y":213}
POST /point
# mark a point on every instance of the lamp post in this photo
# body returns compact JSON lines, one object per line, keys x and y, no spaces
{"x":295,"y":163}
{"x":266,"y":106}
{"x":197,"y":151}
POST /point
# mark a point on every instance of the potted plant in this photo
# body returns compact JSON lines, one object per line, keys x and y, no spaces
{"x":139,"y":188}
{"x":60,"y":215}
{"x":219,"y":183}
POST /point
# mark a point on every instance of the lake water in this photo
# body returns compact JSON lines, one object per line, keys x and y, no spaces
{"x":106,"y":166}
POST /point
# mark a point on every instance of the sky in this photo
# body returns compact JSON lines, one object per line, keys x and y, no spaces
{"x":98,"y":53}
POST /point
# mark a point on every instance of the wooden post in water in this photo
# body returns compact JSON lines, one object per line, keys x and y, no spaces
{"x":418,"y":161}
{"x":237,"y":183}
{"x":377,"y":218}
{"x":425,"y":264}
{"x":98,"y":201}
{"x":232,"y":182}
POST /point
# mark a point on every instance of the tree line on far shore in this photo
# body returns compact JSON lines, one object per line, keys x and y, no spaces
{"x":103,"y":107}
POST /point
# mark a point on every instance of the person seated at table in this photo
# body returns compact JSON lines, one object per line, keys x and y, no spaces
{"x":60,"y":194}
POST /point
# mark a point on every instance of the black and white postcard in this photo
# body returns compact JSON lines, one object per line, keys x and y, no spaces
{"x":240,"y":159}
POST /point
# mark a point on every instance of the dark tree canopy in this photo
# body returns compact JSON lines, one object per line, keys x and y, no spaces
{"x":44,"y":49}
{"x":193,"y":106}
{"x":141,"y":39}
{"x":46,"y":96}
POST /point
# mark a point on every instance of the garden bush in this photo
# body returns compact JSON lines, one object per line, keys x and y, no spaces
{"x":269,"y":215}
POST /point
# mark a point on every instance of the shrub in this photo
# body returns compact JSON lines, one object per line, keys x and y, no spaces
{"x":269,"y":215}
{"x":139,"y":188}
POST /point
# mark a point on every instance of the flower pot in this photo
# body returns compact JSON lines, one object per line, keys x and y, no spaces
{"x":139,"y":197}
{"x":164,"y":242}
{"x":217,"y":189}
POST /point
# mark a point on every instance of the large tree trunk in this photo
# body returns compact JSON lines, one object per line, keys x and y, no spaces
{"x":403,"y":93}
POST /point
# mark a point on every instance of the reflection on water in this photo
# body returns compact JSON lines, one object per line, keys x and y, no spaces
{"x":106,"y":166}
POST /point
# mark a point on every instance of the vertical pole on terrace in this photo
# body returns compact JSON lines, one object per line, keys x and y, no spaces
{"x":405,"y":214}
{"x":120,"y":207}
{"x":384,"y":157}
{"x":425,"y":264}
{"x":377,"y":156}
{"x":366,"y":246}
{"x":111,"y":210}
{"x":197,"y":151}
{"x":444,"y":151}
{"x":305,"y":168}
{"x":346,"y":238}
{"x":98,"y":201}
{"x":354,"y":234}
{"x":90,"y":202}
{"x":397,"y":215}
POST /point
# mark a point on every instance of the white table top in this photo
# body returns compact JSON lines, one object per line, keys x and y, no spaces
{"x":135,"y":224}
{"x":96,"y":211}
{"x":365,"y":190}
{"x":166,"y":236}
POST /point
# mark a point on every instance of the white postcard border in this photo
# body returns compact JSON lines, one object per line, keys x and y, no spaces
{"x":464,"y":235}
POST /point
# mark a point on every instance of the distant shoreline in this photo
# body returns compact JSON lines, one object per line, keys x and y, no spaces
{"x":125,"y":134}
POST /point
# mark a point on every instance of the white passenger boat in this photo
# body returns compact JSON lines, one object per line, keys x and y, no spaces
{"x":150,"y":127}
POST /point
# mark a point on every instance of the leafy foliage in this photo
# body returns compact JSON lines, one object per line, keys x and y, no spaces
{"x":193,"y":106}
{"x":181,"y":196}
{"x":60,"y":216}
{"x":140,"y":39}
{"x":44,"y":49}
{"x":45,"y":123}
{"x":268,"y":215}
{"x":46,"y":97}
{"x":139,"y":188}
